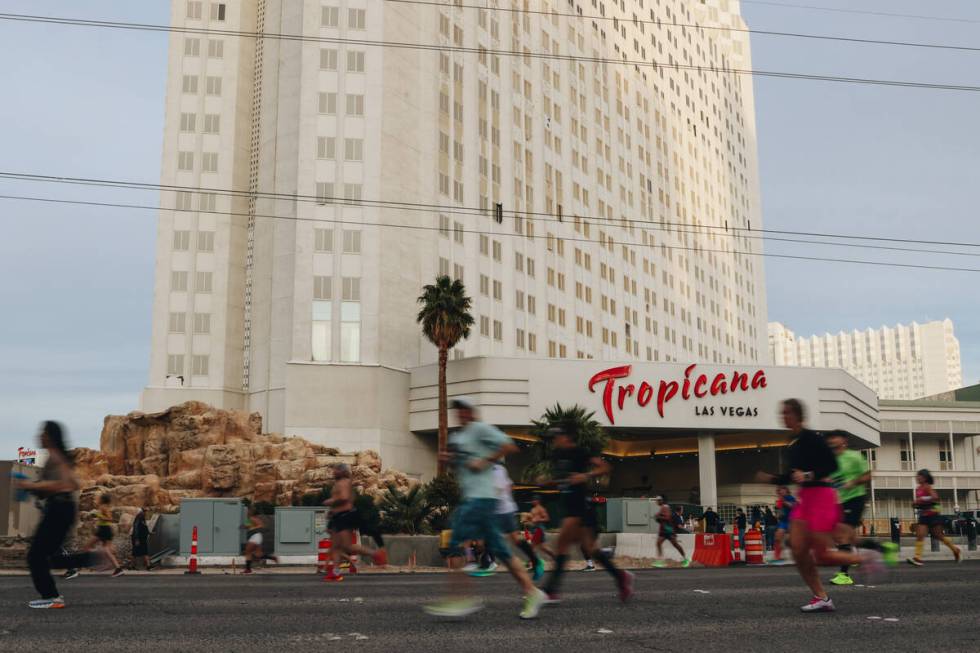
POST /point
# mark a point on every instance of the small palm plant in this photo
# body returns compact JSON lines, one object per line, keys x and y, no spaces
{"x":404,"y":512}
{"x":588,"y":432}
{"x":445,"y":318}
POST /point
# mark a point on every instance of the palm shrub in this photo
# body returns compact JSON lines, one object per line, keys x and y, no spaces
{"x":404,"y":512}
{"x":443,"y":495}
{"x":588,"y":433}
{"x":445,"y":318}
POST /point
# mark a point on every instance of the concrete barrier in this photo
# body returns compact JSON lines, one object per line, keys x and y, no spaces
{"x":644,"y":545}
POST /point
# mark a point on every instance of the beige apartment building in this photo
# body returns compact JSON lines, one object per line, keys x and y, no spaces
{"x":900,"y":362}
{"x":586,"y":169}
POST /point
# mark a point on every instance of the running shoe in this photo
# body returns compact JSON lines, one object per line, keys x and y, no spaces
{"x":470,"y":566}
{"x":247,"y":570}
{"x":481,"y":572}
{"x":533,"y":603}
{"x":455,"y":608}
{"x":872,"y":567}
{"x":915,"y":561}
{"x":626,"y":586}
{"x":842,"y":579}
{"x":889,"y":553}
{"x":332,"y":578}
{"x":779,"y":562}
{"x":552,"y":599}
{"x":56,"y":603}
{"x":118,"y":571}
{"x":589,"y":566}
{"x":686,"y":564}
{"x":380,"y":558}
{"x":818,"y":604}
{"x":71,"y":573}
{"x":659,"y":564}
{"x":538,"y":572}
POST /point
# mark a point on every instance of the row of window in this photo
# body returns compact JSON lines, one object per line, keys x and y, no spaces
{"x":200,"y":365}
{"x":182,"y":241}
{"x":351,"y":241}
{"x":330,"y":17}
{"x":201,"y":323}
{"x":195,"y":10}
{"x":326,"y":104}
{"x":216,"y":48}
{"x":350,"y":288}
{"x":212,"y":84}
{"x":355,"y":60}
{"x":209,"y":161}
{"x":204,"y":281}
{"x":210,"y":125}
{"x":326,"y":148}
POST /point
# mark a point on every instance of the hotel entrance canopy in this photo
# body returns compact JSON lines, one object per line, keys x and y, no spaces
{"x":652,"y":401}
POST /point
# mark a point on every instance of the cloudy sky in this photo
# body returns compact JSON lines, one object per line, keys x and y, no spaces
{"x":76,"y":282}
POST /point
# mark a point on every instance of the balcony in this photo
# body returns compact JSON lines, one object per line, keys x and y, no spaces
{"x":903,"y":480}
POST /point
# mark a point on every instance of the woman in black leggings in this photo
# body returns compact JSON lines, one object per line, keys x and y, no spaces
{"x":56,"y":488}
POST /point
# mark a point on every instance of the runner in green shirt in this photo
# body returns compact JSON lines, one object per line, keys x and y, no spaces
{"x":851,"y":481}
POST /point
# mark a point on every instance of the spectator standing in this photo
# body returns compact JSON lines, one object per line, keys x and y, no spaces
{"x":679,"y":525}
{"x":741,"y":521}
{"x":140,"y":539}
{"x":710,"y":520}
{"x":770,"y":521}
{"x":756,"y":519}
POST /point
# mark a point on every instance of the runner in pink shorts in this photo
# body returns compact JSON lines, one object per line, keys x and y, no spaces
{"x":815,"y":516}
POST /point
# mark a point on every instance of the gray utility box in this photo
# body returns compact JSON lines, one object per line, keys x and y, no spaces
{"x":219,"y":526}
{"x":299,"y":529}
{"x":17,"y":518}
{"x":631,"y":516}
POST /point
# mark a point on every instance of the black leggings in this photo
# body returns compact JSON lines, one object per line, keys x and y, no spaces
{"x":46,"y":551}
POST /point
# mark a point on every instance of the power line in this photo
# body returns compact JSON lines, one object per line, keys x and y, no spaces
{"x":694,"y":26}
{"x":660,"y":225}
{"x":866,"y":12}
{"x":435,"y":47}
{"x":632,"y":246}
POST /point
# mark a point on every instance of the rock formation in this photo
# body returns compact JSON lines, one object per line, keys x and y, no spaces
{"x":153,"y":460}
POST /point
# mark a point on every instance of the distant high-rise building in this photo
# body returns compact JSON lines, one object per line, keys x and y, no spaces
{"x":594,"y":193}
{"x":901,"y":362}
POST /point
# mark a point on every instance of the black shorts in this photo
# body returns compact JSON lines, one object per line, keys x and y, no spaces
{"x":140,"y":550}
{"x":852,"y":510}
{"x":104,"y":533}
{"x":931,"y":520}
{"x":347,"y":520}
{"x":590,"y":519}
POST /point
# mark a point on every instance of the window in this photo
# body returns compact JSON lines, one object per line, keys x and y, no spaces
{"x":205,"y":241}
{"x":194,"y":10}
{"x":326,"y":147}
{"x":352,"y":241}
{"x":324,"y":192}
{"x":443,"y":267}
{"x":204,"y":281}
{"x":184,"y":200}
{"x":906,"y":455}
{"x":323,"y":240}
{"x":217,"y":13}
{"x":182,"y":241}
{"x":498,"y":330}
{"x":484,"y":285}
{"x":497,"y":251}
{"x":458,"y":232}
{"x":322,"y":287}
{"x":484,"y":244}
{"x":185,"y":161}
{"x":352,"y":289}
{"x":329,"y":16}
{"x":216,"y":48}
{"x":350,"y":322}
{"x":532,"y":306}
{"x":457,"y":271}
{"x":207,"y":201}
{"x":356,"y":18}
{"x":353,"y":149}
{"x":355,"y":105}
{"x":945,"y":456}
{"x":327,"y":103}
{"x":444,"y":225}
{"x":532,"y":342}
{"x":202,"y":323}
{"x":192,"y":47}
{"x":355,"y":62}
{"x":871,"y":455}
{"x":209,"y":162}
{"x":328,"y":59}
{"x":519,"y":340}
{"x":189,"y":84}
{"x":213,"y":86}
{"x":352,"y":192}
{"x":200,"y":364}
{"x":175,"y":364}
{"x":484,"y":326}
{"x":321,"y":335}
{"x":178,"y":281}
{"x":212,"y":123}
{"x":498,"y":290}
{"x":177,"y":322}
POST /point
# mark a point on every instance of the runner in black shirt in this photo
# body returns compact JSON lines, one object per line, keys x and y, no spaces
{"x":573,"y":468}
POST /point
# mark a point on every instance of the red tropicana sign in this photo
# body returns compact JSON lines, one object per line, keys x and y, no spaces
{"x":691,"y":386}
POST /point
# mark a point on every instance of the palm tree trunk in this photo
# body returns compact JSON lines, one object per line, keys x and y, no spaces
{"x":443,"y":408}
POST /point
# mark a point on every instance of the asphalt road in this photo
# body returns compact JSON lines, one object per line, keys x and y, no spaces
{"x":747,"y":609}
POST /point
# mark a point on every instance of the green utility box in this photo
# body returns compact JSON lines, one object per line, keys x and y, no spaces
{"x":299,"y":529}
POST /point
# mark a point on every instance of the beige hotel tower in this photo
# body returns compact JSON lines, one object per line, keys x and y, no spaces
{"x":584,"y":167}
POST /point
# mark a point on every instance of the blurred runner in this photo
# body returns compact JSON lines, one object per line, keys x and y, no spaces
{"x":930,"y":520}
{"x":344,"y":520}
{"x":253,"y":545}
{"x":665,"y":517}
{"x":785,"y":502}
{"x":574,"y":467}
{"x":474,"y":449}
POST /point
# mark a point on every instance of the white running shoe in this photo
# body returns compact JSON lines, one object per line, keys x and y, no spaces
{"x":47,"y":604}
{"x":818,"y":604}
{"x":533,"y":603}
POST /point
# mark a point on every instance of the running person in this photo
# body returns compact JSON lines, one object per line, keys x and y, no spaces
{"x":574,"y":467}
{"x":665,"y":517}
{"x":253,"y":545}
{"x":474,"y":449}
{"x":507,"y":519}
{"x":851,"y":478}
{"x":344,"y":520}
{"x":539,"y":519}
{"x":56,"y":488}
{"x":930,"y":521}
{"x":103,"y":535}
{"x":785,"y":502}
{"x":590,"y":527}
{"x":817,"y":513}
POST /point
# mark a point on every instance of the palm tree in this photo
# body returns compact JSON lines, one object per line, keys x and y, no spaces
{"x":588,"y":432}
{"x":404,"y":512}
{"x":445,"y":319}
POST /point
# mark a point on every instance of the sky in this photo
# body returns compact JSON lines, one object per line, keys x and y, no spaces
{"x":76,"y":282}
